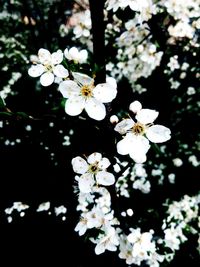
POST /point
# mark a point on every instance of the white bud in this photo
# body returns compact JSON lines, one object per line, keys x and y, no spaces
{"x":114,"y":119}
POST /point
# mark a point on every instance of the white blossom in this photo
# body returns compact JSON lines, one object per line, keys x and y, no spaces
{"x":76,"y":55}
{"x":48,"y":67}
{"x":92,"y":172}
{"x":137,"y":134}
{"x":83,"y":94}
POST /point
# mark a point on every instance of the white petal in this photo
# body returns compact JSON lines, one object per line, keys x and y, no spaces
{"x":123,"y":146}
{"x":79,"y":165}
{"x":105,"y":178}
{"x":112,"y":82}
{"x":135,"y":106}
{"x":138,"y":157}
{"x":36,"y":70}
{"x":47,"y":79}
{"x":66,"y":53}
{"x":69,"y":89}
{"x":82,"y":78}
{"x":146,"y":115}
{"x":44,"y":56}
{"x":158,"y":133}
{"x":86,"y":33}
{"x":104,"y":163}
{"x":104,"y":92}
{"x":94,"y":157}
{"x":83,"y":55}
{"x":86,"y":183}
{"x":60,"y":71}
{"x":100,"y":248}
{"x":123,"y":126}
{"x":95,"y":109}
{"x":139,"y":147}
{"x":111,"y":247}
{"x":81,"y":228}
{"x":75,"y":105}
{"x":57,"y":57}
{"x":73,"y":54}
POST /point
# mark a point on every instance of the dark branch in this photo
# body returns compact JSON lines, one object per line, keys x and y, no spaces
{"x":98,"y":27}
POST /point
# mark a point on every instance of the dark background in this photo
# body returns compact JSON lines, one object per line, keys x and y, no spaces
{"x":30,"y":174}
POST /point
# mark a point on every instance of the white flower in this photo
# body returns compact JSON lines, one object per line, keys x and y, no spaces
{"x":82,"y":94}
{"x":75,"y":55}
{"x":110,"y":241}
{"x":81,"y":227}
{"x":93,"y":171}
{"x":136,"y":141}
{"x":48,"y":66}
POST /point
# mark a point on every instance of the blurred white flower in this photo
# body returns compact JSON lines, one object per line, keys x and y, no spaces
{"x":48,"y":67}
{"x":93,"y":171}
{"x":110,"y":241}
{"x":76,"y":55}
{"x":83,"y":94}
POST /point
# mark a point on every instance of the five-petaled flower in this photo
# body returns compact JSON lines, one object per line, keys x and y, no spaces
{"x":139,"y":133}
{"x":48,"y":66}
{"x":93,"y":172}
{"x":83,"y":94}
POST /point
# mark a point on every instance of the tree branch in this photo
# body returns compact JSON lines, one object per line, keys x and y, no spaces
{"x":98,"y":28}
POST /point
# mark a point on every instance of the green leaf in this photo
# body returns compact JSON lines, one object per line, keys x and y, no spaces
{"x":2,"y":103}
{"x":4,"y":113}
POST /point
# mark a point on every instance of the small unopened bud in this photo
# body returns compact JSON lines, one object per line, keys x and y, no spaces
{"x":114,"y":119}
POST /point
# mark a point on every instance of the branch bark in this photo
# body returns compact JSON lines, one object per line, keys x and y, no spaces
{"x":98,"y":32}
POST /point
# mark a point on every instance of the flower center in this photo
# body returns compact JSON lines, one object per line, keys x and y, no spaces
{"x":93,"y":168}
{"x":49,"y":68}
{"x":138,"y":128}
{"x":86,"y":91}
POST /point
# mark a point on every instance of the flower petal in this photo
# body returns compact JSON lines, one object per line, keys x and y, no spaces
{"x":104,"y":163}
{"x":138,"y":157}
{"x":79,"y":165}
{"x":99,"y":249}
{"x":146,"y":115}
{"x":123,"y":126}
{"x":47,"y":79}
{"x":86,"y":182}
{"x":36,"y":70}
{"x":83,"y":55}
{"x":95,"y":109}
{"x":135,"y":106}
{"x":44,"y":56}
{"x":83,"y":79}
{"x":139,"y":147}
{"x":69,"y":89}
{"x":75,"y":105}
{"x":60,"y":71}
{"x":94,"y":157}
{"x":57,"y":57}
{"x":158,"y":133}
{"x":105,"y":178}
{"x":73,"y":54}
{"x":104,"y":92}
{"x":123,"y":146}
{"x":112,"y":82}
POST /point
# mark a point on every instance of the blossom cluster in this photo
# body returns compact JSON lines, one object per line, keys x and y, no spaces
{"x":96,"y":213}
{"x":79,"y":88}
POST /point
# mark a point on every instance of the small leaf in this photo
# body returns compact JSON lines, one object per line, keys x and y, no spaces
{"x":4,"y":113}
{"x":22,"y":115}
{"x":2,"y":103}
